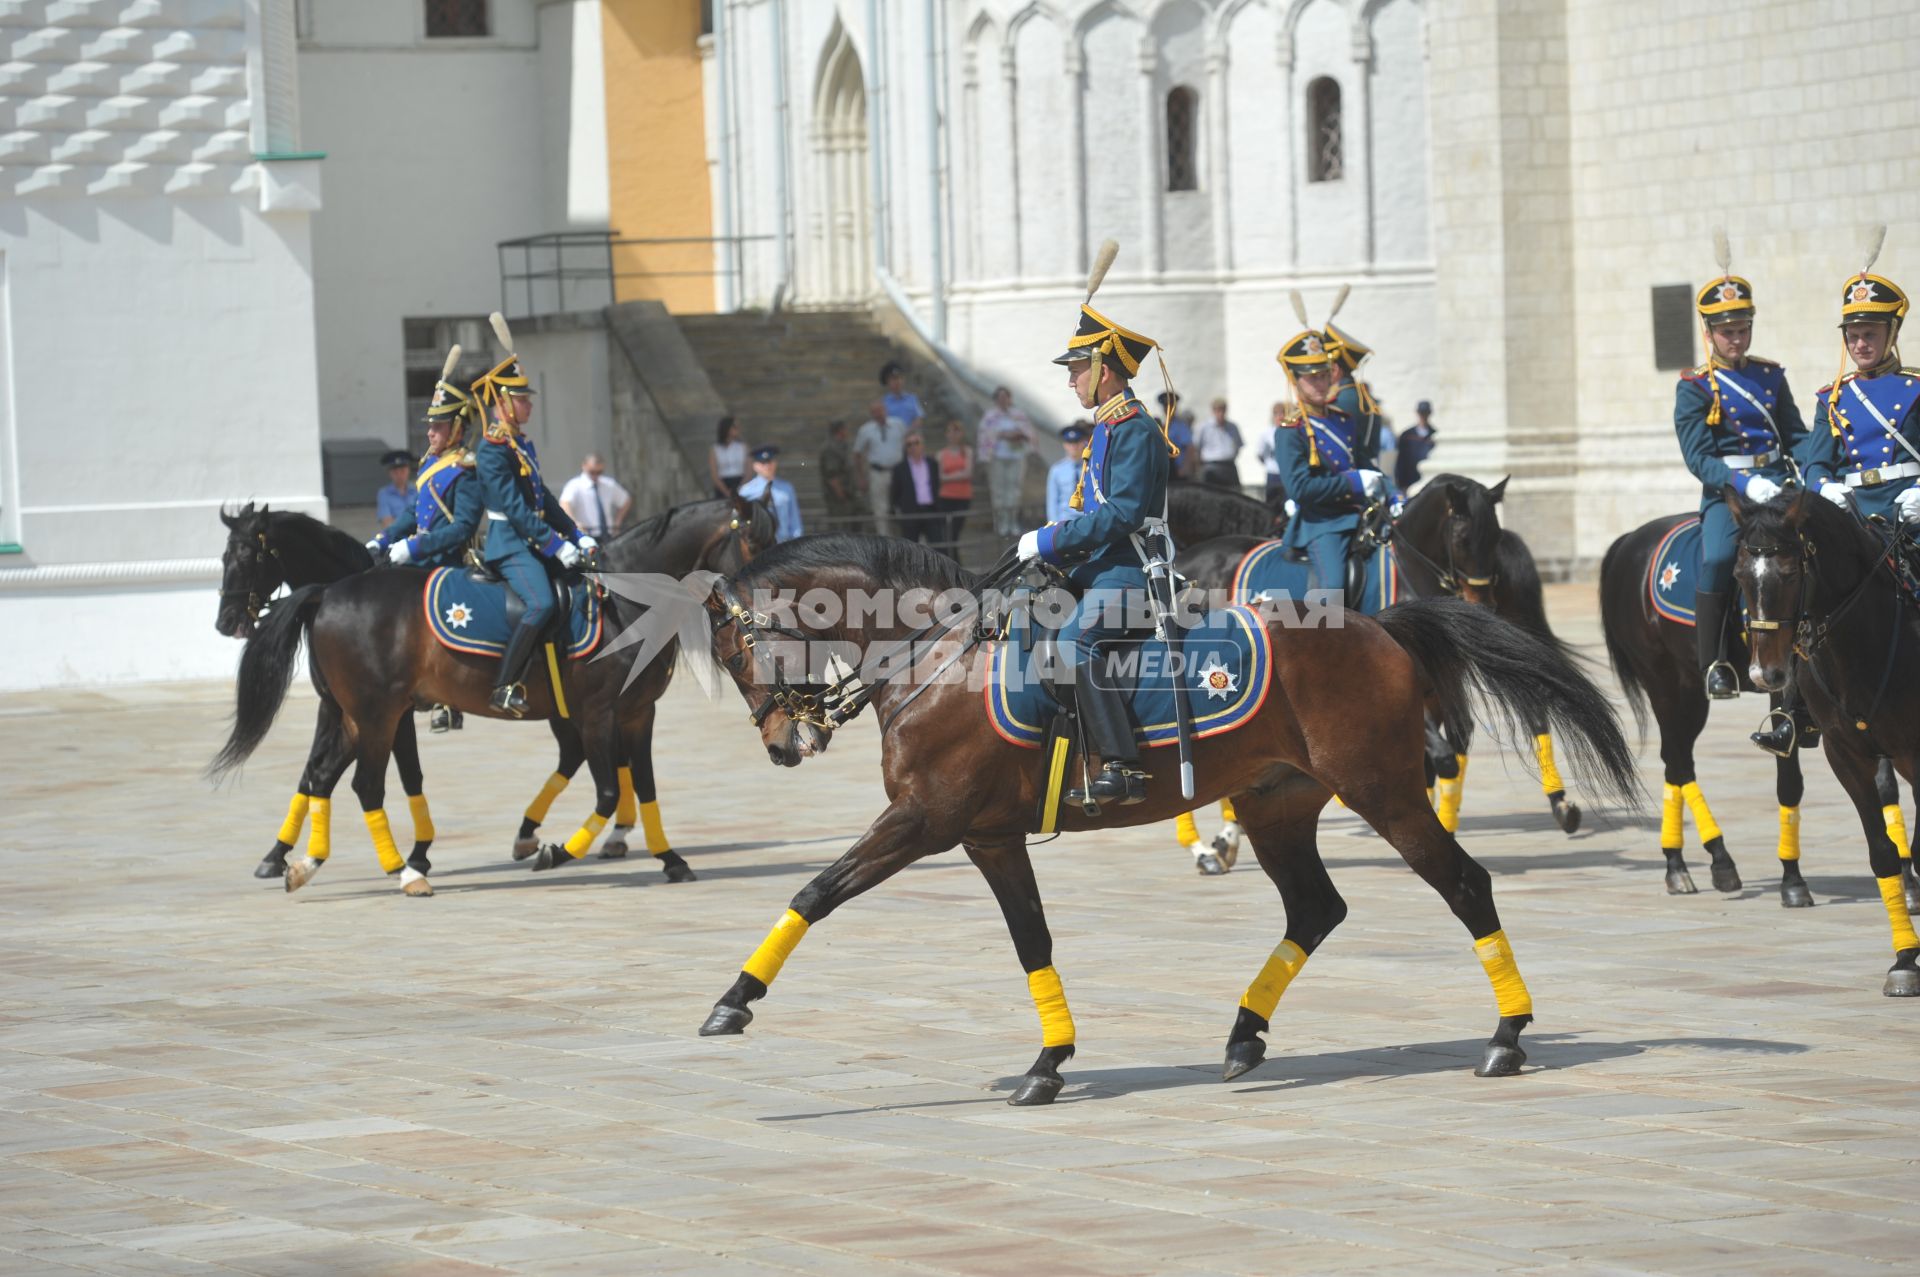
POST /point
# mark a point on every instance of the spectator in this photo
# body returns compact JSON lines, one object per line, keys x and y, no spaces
{"x":916,"y":491}
{"x":595,"y":502}
{"x":1006,"y":435}
{"x":1416,"y":445}
{"x":837,"y":481}
{"x":956,"y":481}
{"x":1065,"y":475}
{"x":766,"y":477}
{"x":1179,"y":434}
{"x":396,"y":498}
{"x":1269,"y":455}
{"x":1218,"y":443}
{"x":877,"y":449}
{"x":901,"y":402}
{"x":727,"y":463}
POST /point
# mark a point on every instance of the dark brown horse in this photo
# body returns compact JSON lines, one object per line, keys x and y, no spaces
{"x":1343,"y":714}
{"x":373,"y":660}
{"x":1654,"y":658}
{"x":1821,"y":594}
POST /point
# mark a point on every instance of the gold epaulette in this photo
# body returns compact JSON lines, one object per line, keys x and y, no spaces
{"x":464,"y":459}
{"x":495,"y":432}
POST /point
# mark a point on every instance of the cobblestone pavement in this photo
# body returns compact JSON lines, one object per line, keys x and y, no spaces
{"x":201,"y":1073}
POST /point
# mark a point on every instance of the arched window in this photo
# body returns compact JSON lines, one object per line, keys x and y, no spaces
{"x":1323,"y":130}
{"x":1183,"y":110}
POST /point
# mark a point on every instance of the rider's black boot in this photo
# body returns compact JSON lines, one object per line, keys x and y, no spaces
{"x":1788,"y":728}
{"x":1110,"y":730}
{"x":1710,"y":636}
{"x":508,"y":694}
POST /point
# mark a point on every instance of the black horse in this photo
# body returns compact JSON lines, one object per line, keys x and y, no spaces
{"x":1826,"y":608}
{"x":1447,"y":541}
{"x":716,"y":535}
{"x":1654,"y":658}
{"x":1199,"y":512}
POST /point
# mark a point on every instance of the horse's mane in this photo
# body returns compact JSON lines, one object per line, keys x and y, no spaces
{"x":887,"y":562}
{"x":1827,"y":525}
{"x":1206,"y":512}
{"x":650,"y":531}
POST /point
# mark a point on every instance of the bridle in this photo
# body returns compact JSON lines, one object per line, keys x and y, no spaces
{"x":254,"y":605}
{"x":1450,"y":578}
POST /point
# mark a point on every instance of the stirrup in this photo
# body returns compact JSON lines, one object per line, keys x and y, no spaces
{"x":1116,"y":783}
{"x":440,"y":720}
{"x":1778,"y":734}
{"x":510,"y":698}
{"x":1732,"y":678}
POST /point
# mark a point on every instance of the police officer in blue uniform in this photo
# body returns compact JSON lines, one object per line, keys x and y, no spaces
{"x":786,"y":502}
{"x":1737,"y":425}
{"x":1122,"y":499}
{"x":447,"y":504}
{"x":526,"y":527}
{"x":1327,"y":451}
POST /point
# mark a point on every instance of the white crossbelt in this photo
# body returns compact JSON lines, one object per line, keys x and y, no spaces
{"x":1747,"y":395}
{"x":495,"y":514}
{"x":1885,"y":425}
{"x":1753,"y":462}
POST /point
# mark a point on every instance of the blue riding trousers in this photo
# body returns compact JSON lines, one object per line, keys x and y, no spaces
{"x":1718,"y":540}
{"x":527,"y":577}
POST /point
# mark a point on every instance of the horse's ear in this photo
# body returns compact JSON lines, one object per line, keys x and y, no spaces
{"x":231,"y":520}
{"x":1498,"y":490}
{"x":1736,"y":504}
{"x":765,"y":498}
{"x":1800,"y":508}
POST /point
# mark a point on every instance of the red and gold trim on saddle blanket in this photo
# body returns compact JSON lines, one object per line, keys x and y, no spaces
{"x":1671,"y":597}
{"x":1258,"y":568}
{"x":471,"y":617}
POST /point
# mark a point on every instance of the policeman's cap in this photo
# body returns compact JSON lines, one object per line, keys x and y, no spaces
{"x":767,"y":452}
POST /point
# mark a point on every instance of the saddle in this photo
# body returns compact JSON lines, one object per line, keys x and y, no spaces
{"x":562,"y":588}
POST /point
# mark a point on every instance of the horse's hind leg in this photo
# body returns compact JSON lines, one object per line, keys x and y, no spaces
{"x":406,"y":758}
{"x":1009,"y":872}
{"x":1282,"y":828}
{"x":1187,"y":831}
{"x":1855,"y":772}
{"x":329,"y":744}
{"x":1789,"y":787}
{"x":1449,"y":766}
{"x":1887,"y":785}
{"x":373,"y":745}
{"x":1681,"y":713}
{"x":636,"y":782}
{"x":600,"y":734}
{"x":1566,"y":812}
{"x":572,"y":754}
{"x":1226,"y":843}
{"x":324,"y":771}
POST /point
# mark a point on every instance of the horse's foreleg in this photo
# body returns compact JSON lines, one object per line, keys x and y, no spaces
{"x":902,"y":834}
{"x":325,"y":767}
{"x":1887,"y":785}
{"x":600,"y":736}
{"x":1226,"y":843}
{"x":1188,"y":832}
{"x":372,"y":746}
{"x":328,"y":743}
{"x":1855,"y":772}
{"x":1566,"y":812}
{"x":1009,"y":872}
{"x":1448,"y":766}
{"x":406,"y":758}
{"x":1682,"y":712}
{"x":637,"y":783}
{"x":572,"y":754}
{"x":1789,"y":787}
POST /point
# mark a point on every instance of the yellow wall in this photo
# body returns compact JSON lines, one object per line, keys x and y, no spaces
{"x":657,"y":150}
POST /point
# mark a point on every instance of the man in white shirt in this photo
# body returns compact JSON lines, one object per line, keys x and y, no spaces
{"x":878,"y":446}
{"x":595,"y":502}
{"x":1219,"y":442}
{"x":1007,"y":439}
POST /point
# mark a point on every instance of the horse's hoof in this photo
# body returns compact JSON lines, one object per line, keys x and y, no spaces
{"x":1568,"y":814}
{"x":681,"y":872}
{"x":1243,"y":1057}
{"x":613,"y":849}
{"x":1794,"y":895}
{"x":725,"y":1020}
{"x":524,"y":847}
{"x":1902,"y":982}
{"x":551,"y":856}
{"x":270,"y":868}
{"x":1500,"y":1061}
{"x":1725,"y":876}
{"x":1209,"y":864}
{"x":1036,"y":1090}
{"x":1680,"y":883}
{"x":299,"y":875}
{"x":418,"y":887}
{"x":1226,"y":845}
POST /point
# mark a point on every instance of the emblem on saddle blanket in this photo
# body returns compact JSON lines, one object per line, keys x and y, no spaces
{"x":470,"y":616}
{"x":1226,"y":660}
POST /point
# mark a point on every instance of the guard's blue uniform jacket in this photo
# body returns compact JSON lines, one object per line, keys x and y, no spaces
{"x":1858,"y":438}
{"x":447,"y":507}
{"x":1758,"y":419}
{"x":524,"y":520}
{"x":1126,"y":466}
{"x":1319,"y":454}
{"x":786,"y":506}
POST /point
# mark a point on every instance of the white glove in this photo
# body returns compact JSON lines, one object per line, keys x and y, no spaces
{"x":1761,"y":488}
{"x":398,"y":554}
{"x":1908,"y":503}
{"x":1836,"y":493}
{"x":587,"y":544}
{"x":1293,"y":507}
{"x":1373,"y":482}
{"x":1029,"y":546}
{"x":374,"y":547}
{"x":568,"y":554}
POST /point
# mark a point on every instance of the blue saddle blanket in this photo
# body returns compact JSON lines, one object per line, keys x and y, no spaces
{"x":1265,"y":569}
{"x":1674,"y":571}
{"x":1226,"y":662}
{"x":471,"y":616}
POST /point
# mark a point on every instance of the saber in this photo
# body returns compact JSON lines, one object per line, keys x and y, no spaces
{"x":1166,"y":628}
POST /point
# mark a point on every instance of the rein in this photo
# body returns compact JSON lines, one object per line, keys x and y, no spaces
{"x":1449,"y":577}
{"x":255,"y":605}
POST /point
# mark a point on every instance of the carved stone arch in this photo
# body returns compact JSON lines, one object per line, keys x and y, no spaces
{"x":841,"y":232}
{"x":1036,"y":9}
{"x":1104,"y":9}
{"x":1223,"y":19}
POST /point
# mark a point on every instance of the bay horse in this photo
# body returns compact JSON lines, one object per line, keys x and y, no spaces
{"x":1826,"y":608}
{"x":1654,"y":659}
{"x":1446,"y":541}
{"x":1342,"y":713}
{"x":717,"y":534}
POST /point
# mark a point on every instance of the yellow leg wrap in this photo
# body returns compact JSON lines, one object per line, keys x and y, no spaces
{"x":1050,"y":1000}
{"x":1789,"y":833}
{"x":537,"y":809}
{"x":320,"y":833}
{"x":1509,"y":990}
{"x":1702,"y":814}
{"x":1672,"y":835}
{"x":390,"y":858}
{"x":422,"y":818}
{"x":1185,"y":830}
{"x":1429,"y":795}
{"x":772,"y":954}
{"x":1227,"y":812}
{"x":582,"y":840}
{"x":656,"y":833}
{"x":1284,"y":963}
{"x":296,"y":817}
{"x":1897,"y":829}
{"x":1450,"y":793}
{"x":623,"y":814}
{"x":1895,"y":898}
{"x":1549,"y":772}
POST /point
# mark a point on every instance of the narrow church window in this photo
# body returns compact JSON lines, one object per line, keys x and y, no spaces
{"x":451,"y":18}
{"x":1182,"y":108}
{"x":1323,"y":130}
{"x":1673,"y":321}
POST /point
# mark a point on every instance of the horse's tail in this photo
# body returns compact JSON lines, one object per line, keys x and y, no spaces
{"x":1619,"y":655}
{"x":1519,"y":596}
{"x":1524,"y":678}
{"x":266,"y":667}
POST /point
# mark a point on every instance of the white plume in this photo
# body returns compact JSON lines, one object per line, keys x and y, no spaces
{"x":1339,"y":301}
{"x":1722,"y":251}
{"x":453,"y":358}
{"x":1102,"y":260}
{"x":1875,"y":239}
{"x":501,"y":331}
{"x":1300,"y":307}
